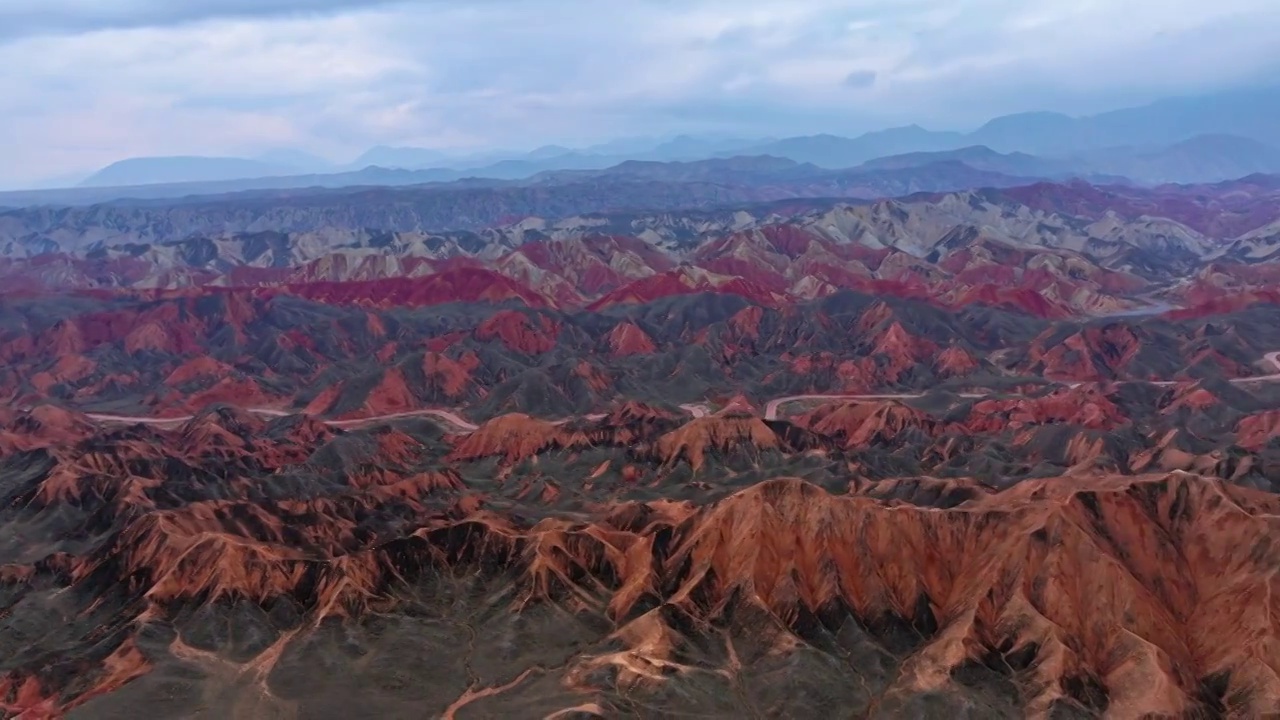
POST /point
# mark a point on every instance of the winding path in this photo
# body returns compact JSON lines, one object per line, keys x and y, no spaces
{"x":445,"y":415}
{"x":771,"y":409}
{"x":695,"y":410}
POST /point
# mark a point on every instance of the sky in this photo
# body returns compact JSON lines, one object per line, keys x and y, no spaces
{"x":88,"y":82}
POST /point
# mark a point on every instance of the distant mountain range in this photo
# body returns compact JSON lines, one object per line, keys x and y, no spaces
{"x":1248,"y":115}
{"x":1206,"y":158}
{"x":1203,"y":158}
{"x":164,"y":170}
{"x":472,"y":205}
{"x":1203,"y":139}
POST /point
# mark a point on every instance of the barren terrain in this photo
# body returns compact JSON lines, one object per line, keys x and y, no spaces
{"x":999,"y":453}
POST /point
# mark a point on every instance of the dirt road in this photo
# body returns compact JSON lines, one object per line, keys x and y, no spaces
{"x":696,"y":410}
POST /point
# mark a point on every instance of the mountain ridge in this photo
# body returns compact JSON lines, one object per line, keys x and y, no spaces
{"x":1055,"y":136}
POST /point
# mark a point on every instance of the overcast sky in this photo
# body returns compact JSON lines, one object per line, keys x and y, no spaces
{"x":87,"y":82}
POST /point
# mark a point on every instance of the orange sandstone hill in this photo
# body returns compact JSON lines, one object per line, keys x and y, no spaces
{"x":635,"y":563}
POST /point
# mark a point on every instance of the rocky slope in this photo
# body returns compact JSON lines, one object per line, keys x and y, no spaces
{"x":1015,"y":516}
{"x":1076,"y":553}
{"x":173,"y":353}
{"x":954,"y":455}
{"x":1050,"y":250}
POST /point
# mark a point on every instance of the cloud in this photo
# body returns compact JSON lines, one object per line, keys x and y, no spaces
{"x":22,"y":18}
{"x":87,"y":82}
{"x":860,"y":79}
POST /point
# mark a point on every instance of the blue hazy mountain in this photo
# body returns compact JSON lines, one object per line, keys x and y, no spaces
{"x":162,"y":170}
{"x":1202,"y":138}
